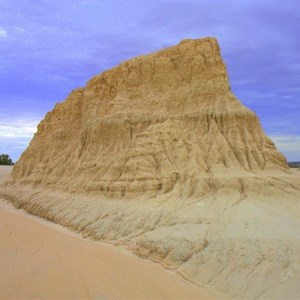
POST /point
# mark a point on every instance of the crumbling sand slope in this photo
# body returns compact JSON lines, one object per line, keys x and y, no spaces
{"x":158,"y":153}
{"x":40,"y":260}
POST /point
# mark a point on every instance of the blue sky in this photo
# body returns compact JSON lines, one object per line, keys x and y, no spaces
{"x":48,"y":48}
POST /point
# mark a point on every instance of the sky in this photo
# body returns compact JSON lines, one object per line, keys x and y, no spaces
{"x":48,"y":48}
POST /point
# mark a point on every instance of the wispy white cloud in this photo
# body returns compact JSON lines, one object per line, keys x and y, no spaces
{"x":3,"y":33}
{"x":18,"y":129}
{"x":20,"y":29}
{"x":15,"y":135}
{"x":14,"y":147}
{"x":287,"y":143}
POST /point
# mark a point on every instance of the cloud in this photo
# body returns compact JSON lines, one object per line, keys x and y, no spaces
{"x":18,"y":129}
{"x":3,"y":33}
{"x":20,"y":29}
{"x":287,"y":143}
{"x":14,"y":147}
{"x":15,"y":135}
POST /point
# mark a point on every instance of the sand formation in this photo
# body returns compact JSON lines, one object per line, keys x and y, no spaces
{"x":158,"y":154}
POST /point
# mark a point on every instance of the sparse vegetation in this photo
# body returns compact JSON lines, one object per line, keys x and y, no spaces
{"x":5,"y":160}
{"x":294,"y":164}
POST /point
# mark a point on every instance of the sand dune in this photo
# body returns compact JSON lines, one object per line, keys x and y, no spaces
{"x":39,"y":262}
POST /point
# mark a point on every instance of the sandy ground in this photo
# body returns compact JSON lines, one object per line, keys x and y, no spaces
{"x":4,"y":172}
{"x":41,"y":260}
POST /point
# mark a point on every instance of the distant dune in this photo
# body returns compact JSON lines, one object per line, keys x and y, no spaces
{"x":158,"y":155}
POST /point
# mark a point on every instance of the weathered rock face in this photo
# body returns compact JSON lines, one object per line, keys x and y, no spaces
{"x":159,"y":155}
{"x":152,"y":124}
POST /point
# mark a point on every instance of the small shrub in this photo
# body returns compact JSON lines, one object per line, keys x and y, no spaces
{"x":5,"y":160}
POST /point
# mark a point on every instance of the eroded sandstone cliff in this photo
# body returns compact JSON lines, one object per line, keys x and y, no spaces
{"x":151,"y":124}
{"x":157,"y":153}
